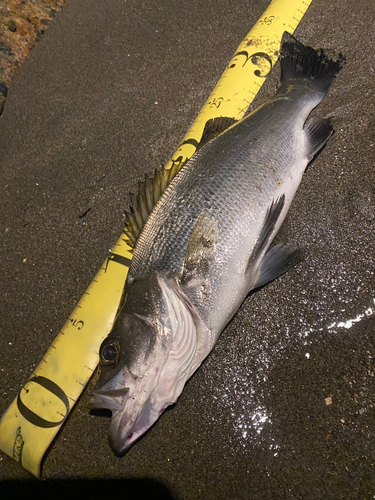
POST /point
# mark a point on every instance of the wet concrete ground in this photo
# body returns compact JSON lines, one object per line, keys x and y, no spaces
{"x":284,"y":406}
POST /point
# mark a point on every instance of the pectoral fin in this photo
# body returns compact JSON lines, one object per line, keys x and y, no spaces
{"x":201,"y":248}
{"x":264,"y":268}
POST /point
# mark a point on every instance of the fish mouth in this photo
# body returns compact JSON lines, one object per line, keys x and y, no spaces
{"x":108,"y":399}
{"x":132,"y":411}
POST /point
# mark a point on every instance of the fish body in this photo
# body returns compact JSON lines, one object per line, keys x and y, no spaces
{"x":205,"y":245}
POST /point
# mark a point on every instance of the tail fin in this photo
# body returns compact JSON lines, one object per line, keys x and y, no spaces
{"x":298,"y":61}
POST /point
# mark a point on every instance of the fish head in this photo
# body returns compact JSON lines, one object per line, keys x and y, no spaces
{"x":143,"y":363}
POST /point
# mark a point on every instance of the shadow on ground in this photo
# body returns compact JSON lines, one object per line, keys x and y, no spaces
{"x":137,"y":489}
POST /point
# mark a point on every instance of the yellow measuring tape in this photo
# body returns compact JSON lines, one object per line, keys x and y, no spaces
{"x":33,"y":419}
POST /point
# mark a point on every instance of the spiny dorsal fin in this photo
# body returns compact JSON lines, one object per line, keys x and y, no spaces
{"x":142,"y":203}
{"x":213,"y":128}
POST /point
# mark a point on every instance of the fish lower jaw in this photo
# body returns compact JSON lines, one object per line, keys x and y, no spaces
{"x":119,"y":448}
{"x":125,"y":431}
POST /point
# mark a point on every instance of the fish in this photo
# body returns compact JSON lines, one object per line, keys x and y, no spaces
{"x":202,"y":240}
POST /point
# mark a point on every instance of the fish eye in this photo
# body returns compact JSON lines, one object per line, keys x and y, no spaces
{"x":109,"y":352}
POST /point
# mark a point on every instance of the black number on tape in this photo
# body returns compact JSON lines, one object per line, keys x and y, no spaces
{"x":32,"y":417}
{"x":259,"y":58}
{"x":216,"y":102}
{"x":267,"y":20}
{"x":255,"y":60}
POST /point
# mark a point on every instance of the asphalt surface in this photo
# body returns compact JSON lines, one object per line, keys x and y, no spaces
{"x":284,"y":405}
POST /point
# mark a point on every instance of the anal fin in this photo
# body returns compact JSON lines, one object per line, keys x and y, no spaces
{"x":273,"y":213}
{"x":276,"y":262}
{"x":318,"y":131}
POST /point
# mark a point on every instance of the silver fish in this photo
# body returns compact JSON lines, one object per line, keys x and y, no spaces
{"x":202,"y":241}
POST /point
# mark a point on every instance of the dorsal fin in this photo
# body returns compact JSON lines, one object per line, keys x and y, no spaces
{"x":142,"y":203}
{"x":213,"y":128}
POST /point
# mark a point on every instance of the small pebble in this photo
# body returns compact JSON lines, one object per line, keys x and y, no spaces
{"x":12,"y":26}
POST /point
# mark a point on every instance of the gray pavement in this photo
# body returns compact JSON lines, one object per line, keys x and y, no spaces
{"x":284,"y":406}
